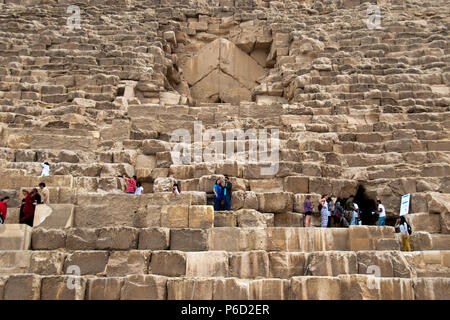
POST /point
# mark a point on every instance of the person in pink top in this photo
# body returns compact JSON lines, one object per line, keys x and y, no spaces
{"x":131,"y":184}
{"x":3,"y":209}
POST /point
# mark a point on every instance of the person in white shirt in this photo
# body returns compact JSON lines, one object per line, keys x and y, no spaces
{"x":355,"y":215}
{"x":45,"y":169}
{"x":324,"y":211}
{"x":139,"y":188}
{"x":403,"y":226}
{"x":382,"y":214}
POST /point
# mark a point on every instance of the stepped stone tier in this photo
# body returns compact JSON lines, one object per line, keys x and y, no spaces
{"x":350,"y":108}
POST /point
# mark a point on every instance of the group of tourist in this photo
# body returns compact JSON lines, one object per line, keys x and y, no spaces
{"x":133,"y":186}
{"x":222,"y":194}
{"x":28,"y":206}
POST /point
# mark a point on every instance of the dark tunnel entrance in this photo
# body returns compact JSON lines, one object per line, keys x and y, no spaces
{"x":366,"y":206}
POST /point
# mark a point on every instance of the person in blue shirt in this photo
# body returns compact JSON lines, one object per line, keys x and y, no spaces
{"x":218,"y":194}
{"x":227,"y":193}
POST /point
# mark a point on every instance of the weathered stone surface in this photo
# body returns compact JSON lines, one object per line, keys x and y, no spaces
{"x":117,"y":238}
{"x":231,"y":288}
{"x":189,"y":239}
{"x":154,"y":239}
{"x":123,"y":263}
{"x":175,"y":216}
{"x":287,"y":264}
{"x":331,"y":263}
{"x":15,"y":237}
{"x":23,"y":287}
{"x":144,"y":287}
{"x":201,"y":217}
{"x":207,"y":264}
{"x":275,"y":202}
{"x":168,"y":263}
{"x":269,"y":289}
{"x":88,"y":262}
{"x":63,"y":288}
{"x":190,"y":289}
{"x":103,"y":288}
{"x":431,"y":288}
{"x":248,"y":265}
{"x":315,"y":288}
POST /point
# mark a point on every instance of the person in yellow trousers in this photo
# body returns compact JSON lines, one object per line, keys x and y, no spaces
{"x":403,"y":226}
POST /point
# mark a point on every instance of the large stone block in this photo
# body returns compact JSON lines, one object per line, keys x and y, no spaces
{"x":331,"y":263}
{"x":175,"y":216}
{"x":388,"y":263}
{"x":231,"y":289}
{"x":47,"y":262}
{"x":103,"y":288}
{"x":269,"y":289}
{"x":56,"y":216}
{"x":201,"y":217}
{"x":224,"y":219}
{"x":144,"y":287}
{"x":23,"y":287}
{"x":315,"y":288}
{"x":15,"y":237}
{"x":190,"y":289}
{"x":63,"y":288}
{"x":88,"y":262}
{"x":250,"y":218}
{"x":43,"y":239}
{"x":276,"y":202}
{"x":296,"y":184}
{"x":168,"y":263}
{"x":123,"y":263}
{"x":287,"y":264}
{"x":189,"y":239}
{"x":117,"y":238}
{"x":15,"y":262}
{"x":224,"y":238}
{"x":154,"y":239}
{"x":81,"y":239}
{"x":207,"y":264}
{"x":365,"y":237}
{"x":253,"y":264}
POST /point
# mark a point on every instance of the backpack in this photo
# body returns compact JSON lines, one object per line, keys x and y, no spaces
{"x":409,"y":228}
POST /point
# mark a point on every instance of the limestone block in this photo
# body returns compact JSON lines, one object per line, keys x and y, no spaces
{"x":154,"y":239}
{"x":287,"y":264}
{"x":122,"y":263}
{"x":175,"y":216}
{"x":288,"y":219}
{"x":225,"y":238}
{"x":365,"y":237}
{"x":272,"y":185}
{"x":117,"y":238}
{"x":22,"y":287}
{"x":152,"y":146}
{"x":296,"y":184}
{"x":431,"y":288}
{"x":250,"y":218}
{"x":163,"y":184}
{"x":103,"y":288}
{"x":269,"y":289}
{"x":201,"y":217}
{"x":143,"y":287}
{"x":275,"y":202}
{"x":390,"y":263}
{"x":207,"y":264}
{"x":190,"y":289}
{"x":53,"y":216}
{"x":331,"y":263}
{"x":253,"y":264}
{"x":421,"y":240}
{"x":231,"y":289}
{"x":189,"y":239}
{"x":15,"y":261}
{"x":387,"y":244}
{"x":15,"y":237}
{"x":224,"y":219}
{"x":47,"y":262}
{"x":63,"y":288}
{"x":48,"y":239}
{"x":315,"y":288}
{"x":253,"y":239}
{"x":168,"y":263}
{"x":89,"y":262}
{"x":80,"y":239}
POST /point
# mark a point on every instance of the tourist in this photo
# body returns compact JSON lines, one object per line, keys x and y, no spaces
{"x":139,"y":188}
{"x":330,"y":212}
{"x":227,"y":193}
{"x":218,"y":194}
{"x":382,"y":214}
{"x":3,"y":209}
{"x":45,"y":169}
{"x":36,"y":196}
{"x":307,"y":209}
{"x":355,"y":215}
{"x":27,"y":214}
{"x":176,"y":189}
{"x":349,"y":208}
{"x":339,"y":214}
{"x":45,"y":193}
{"x":323,"y":207}
{"x":403,"y":226}
{"x":131,"y":184}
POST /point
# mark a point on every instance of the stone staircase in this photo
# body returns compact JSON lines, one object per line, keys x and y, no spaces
{"x":353,"y":108}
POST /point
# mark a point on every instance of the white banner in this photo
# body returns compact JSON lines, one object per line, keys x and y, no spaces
{"x":404,"y":207}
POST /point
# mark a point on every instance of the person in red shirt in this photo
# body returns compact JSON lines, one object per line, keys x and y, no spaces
{"x":27,"y":215}
{"x":131,"y":184}
{"x":3,"y":209}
